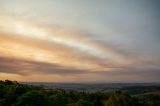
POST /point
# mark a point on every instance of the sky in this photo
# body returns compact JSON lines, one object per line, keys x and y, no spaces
{"x":80,"y":41}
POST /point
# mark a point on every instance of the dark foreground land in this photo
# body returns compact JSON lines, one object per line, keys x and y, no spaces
{"x":13,"y":93}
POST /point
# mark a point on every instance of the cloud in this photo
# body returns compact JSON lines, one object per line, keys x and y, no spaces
{"x":26,"y":40}
{"x":26,"y":67}
{"x":81,"y":43}
{"x":27,"y":48}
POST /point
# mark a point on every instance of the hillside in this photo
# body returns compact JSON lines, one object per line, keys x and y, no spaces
{"x":13,"y":93}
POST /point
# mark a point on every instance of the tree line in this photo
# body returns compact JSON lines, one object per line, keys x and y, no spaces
{"x":13,"y":93}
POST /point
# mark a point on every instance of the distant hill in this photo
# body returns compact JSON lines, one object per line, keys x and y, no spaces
{"x":93,"y":86}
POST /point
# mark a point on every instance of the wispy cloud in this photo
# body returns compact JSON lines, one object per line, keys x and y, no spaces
{"x":87,"y":43}
{"x":26,"y":67}
{"x":50,"y":46}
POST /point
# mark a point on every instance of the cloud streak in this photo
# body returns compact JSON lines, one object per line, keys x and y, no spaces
{"x":28,"y":41}
{"x":83,"y":44}
{"x":26,"y":67}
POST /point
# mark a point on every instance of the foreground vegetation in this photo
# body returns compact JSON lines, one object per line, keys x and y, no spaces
{"x":14,"y":94}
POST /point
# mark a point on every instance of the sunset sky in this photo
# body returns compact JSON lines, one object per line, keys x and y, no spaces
{"x":80,"y":40}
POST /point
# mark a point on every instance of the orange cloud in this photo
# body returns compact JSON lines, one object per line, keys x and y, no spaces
{"x":25,"y":40}
{"x":40,"y":49}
